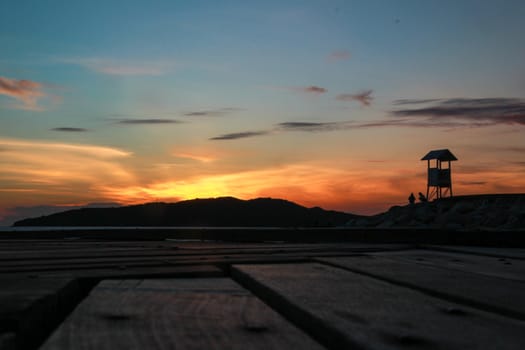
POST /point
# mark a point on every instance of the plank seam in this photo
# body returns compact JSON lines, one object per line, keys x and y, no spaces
{"x":312,"y":325}
{"x":453,"y":250}
{"x":435,"y":265}
{"x":441,"y":295}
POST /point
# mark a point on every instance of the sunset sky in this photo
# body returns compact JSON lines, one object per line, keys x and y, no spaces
{"x":324,"y":103}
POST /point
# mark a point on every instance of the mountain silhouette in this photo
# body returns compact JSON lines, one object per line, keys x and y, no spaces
{"x":219,"y":212}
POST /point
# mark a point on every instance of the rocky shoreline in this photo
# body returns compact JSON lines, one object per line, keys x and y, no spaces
{"x":477,"y":212}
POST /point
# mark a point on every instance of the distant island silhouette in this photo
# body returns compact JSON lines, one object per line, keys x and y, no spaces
{"x":212,"y":212}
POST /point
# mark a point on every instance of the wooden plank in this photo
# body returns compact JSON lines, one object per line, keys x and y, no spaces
{"x":107,"y":260}
{"x":69,"y":256}
{"x":513,"y":253}
{"x":7,"y":340}
{"x":191,"y":271}
{"x":489,"y":293}
{"x":31,"y":307}
{"x":65,"y":266}
{"x":210,"y":246}
{"x":508,"y":268}
{"x":349,"y":310}
{"x":20,"y":253}
{"x":53,"y":266}
{"x":212,"y":313}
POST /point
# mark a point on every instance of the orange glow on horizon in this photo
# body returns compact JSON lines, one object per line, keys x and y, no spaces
{"x":39,"y":172}
{"x":314,"y":185}
{"x":309,"y":185}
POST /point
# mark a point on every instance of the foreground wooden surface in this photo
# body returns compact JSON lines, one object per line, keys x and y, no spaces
{"x":88,"y":293}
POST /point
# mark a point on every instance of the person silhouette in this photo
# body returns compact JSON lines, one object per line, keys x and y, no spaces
{"x":411,"y":198}
{"x":422,"y":198}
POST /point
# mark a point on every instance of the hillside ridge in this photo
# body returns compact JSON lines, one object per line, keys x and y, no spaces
{"x":220,"y":212}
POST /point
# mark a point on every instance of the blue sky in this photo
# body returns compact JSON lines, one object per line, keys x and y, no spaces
{"x":171,"y":82}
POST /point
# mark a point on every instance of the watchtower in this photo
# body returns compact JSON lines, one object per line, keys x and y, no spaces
{"x":439,"y":182}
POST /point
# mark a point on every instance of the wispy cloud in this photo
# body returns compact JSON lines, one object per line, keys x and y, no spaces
{"x":338,"y":55}
{"x":490,"y":148}
{"x":312,"y":89}
{"x":290,"y":127}
{"x":313,"y":127}
{"x":91,"y":150}
{"x":41,"y":170}
{"x":240,"y":135}
{"x":363,"y":97}
{"x":415,"y":101}
{"x":473,"y":183}
{"x":36,"y":171}
{"x":305,"y":90}
{"x":338,"y":126}
{"x":123,"y":67}
{"x":70,"y":129}
{"x":448,"y":114}
{"x":466,"y":111}
{"x":514,"y":149}
{"x":153,"y":121}
{"x":213,"y":112}
{"x":195,"y":157}
{"x":25,"y":91}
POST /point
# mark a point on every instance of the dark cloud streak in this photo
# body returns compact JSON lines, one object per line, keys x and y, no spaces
{"x":312,"y":89}
{"x":69,"y":129}
{"x":313,"y":127}
{"x":415,"y":101}
{"x":241,"y":135}
{"x":448,"y":114}
{"x":363,"y":97}
{"x":213,"y":112}
{"x":309,"y":90}
{"x":148,"y":121}
{"x":468,"y":112}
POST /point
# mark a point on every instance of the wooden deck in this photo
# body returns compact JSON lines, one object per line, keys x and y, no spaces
{"x":90,"y":293}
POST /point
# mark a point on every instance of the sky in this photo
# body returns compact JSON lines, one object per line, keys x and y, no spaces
{"x":324,"y":103}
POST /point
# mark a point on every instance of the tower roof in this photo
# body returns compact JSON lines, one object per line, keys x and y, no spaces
{"x":440,"y":154}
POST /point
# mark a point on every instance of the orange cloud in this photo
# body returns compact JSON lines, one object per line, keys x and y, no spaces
{"x":202,"y":154}
{"x":57,"y":170}
{"x":26,"y":91}
{"x":97,"y":151}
